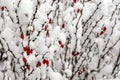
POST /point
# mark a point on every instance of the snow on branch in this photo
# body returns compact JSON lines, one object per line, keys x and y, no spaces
{"x":59,"y":39}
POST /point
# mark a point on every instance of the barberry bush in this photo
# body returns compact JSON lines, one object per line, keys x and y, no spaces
{"x":59,"y":39}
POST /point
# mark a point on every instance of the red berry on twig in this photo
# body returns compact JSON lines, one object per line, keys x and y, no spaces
{"x":50,"y":21}
{"x":84,"y":69}
{"x":74,"y":1}
{"x":46,"y":62}
{"x":22,"y":36}
{"x":38,"y":64}
{"x":62,"y":46}
{"x":79,"y":73}
{"x":74,"y":53}
{"x":25,"y":48}
{"x":29,"y":51}
{"x":78,"y":10}
{"x":2,"y":8}
{"x":101,"y":32}
{"x":24,"y":60}
{"x":104,"y":28}
{"x":45,"y":28}
{"x":60,"y":42}
{"x":63,"y":25}
{"x":28,"y":67}
{"x":47,"y":33}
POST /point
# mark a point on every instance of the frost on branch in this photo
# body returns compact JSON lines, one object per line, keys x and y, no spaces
{"x":59,"y":39}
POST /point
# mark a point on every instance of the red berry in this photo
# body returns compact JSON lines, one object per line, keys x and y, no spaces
{"x":60,"y":42}
{"x":25,"y":48}
{"x":28,"y":52}
{"x":104,"y":28}
{"x":38,"y":64}
{"x":24,"y":60}
{"x":46,"y":62}
{"x":28,"y":67}
{"x":84,"y":69}
{"x":22,"y":36}
{"x":78,"y":10}
{"x":45,"y":28}
{"x":79,"y":73}
{"x":63,"y":25}
{"x":62,"y":46}
{"x":2,"y":8}
{"x":74,"y":1}
{"x":101,"y":32}
{"x":47,"y":34}
{"x":50,"y":21}
{"x":31,"y":51}
{"x":73,"y":53}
